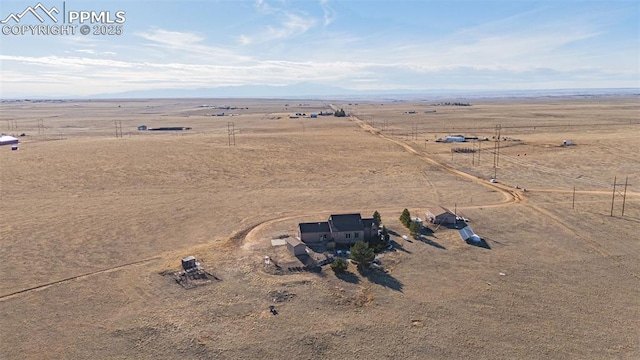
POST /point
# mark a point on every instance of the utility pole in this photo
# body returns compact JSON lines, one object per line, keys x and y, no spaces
{"x":573,"y":202}
{"x":624,"y":197}
{"x":614,"y":194}
{"x":496,"y":151}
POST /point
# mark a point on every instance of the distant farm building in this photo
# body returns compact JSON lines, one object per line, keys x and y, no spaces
{"x":341,"y":228}
{"x":8,"y":140}
{"x":452,"y":138}
{"x":441,"y":216}
{"x":170,"y":128}
{"x":313,"y":116}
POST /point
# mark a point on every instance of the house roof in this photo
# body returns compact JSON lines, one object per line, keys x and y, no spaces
{"x":6,"y":139}
{"x":369,"y":221}
{"x":316,"y":227}
{"x":439,"y":210}
{"x":346,"y":222}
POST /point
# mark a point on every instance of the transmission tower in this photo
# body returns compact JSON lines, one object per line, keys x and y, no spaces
{"x":231,"y":131}
{"x":118,"y":124}
{"x":40,"y":127}
{"x":623,"y":194}
{"x":12,"y":124}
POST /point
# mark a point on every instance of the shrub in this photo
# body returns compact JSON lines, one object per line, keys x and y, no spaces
{"x":339,"y":265}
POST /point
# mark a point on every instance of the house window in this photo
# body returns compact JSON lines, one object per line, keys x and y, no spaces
{"x":347,"y":236}
{"x":355,"y":235}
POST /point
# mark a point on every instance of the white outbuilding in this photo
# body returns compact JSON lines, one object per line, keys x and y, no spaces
{"x":8,"y":140}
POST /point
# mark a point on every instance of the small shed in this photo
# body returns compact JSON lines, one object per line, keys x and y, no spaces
{"x":313,"y":116}
{"x":296,"y":247}
{"x":189,"y":263}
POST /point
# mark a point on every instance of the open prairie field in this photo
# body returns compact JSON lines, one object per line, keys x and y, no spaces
{"x":92,"y":226}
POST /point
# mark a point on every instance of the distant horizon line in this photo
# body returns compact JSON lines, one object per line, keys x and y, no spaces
{"x":399,"y":93}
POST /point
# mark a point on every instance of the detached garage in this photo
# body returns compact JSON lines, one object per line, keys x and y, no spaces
{"x":296,"y":247}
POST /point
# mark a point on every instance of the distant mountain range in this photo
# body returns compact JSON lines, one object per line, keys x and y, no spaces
{"x":316,"y":91}
{"x":301,"y":90}
{"x":307,"y":90}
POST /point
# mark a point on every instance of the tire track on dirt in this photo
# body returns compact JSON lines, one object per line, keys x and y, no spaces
{"x":77,"y":277}
{"x":510,"y":196}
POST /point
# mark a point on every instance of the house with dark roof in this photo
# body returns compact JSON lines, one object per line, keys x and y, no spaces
{"x":344,"y":229}
{"x":314,"y":233}
{"x":441,"y":216}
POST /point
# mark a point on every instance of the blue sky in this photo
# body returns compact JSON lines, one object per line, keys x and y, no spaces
{"x":357,"y":45}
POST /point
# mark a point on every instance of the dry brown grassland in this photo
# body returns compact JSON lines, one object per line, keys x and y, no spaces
{"x":89,"y":223}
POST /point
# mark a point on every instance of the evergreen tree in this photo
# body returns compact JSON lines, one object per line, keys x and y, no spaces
{"x":339,"y":265}
{"x":376,"y":215}
{"x":405,"y":218}
{"x":414,"y":228}
{"x":362,"y":254}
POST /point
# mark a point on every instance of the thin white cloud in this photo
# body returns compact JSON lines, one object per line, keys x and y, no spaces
{"x":292,"y":25}
{"x":329,"y":15}
{"x":94,"y":52}
{"x":288,"y":24}
{"x":187,"y":43}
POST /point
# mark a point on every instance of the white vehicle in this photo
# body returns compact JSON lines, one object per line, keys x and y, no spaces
{"x":492,"y":180}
